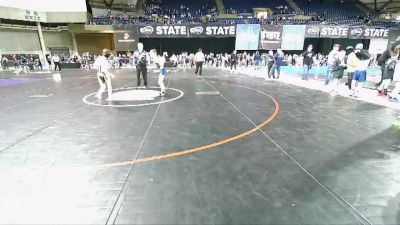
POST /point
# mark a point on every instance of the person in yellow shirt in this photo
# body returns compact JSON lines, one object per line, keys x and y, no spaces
{"x":351,"y":62}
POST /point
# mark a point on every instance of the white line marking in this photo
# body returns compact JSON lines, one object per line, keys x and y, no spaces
{"x":207,"y":93}
{"x":41,"y":96}
{"x":84,"y":99}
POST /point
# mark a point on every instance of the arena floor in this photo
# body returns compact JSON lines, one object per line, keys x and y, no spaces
{"x":220,"y":149}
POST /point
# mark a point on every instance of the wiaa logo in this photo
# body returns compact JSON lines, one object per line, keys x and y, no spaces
{"x":196,"y":30}
{"x":356,"y":32}
{"x":126,"y":36}
{"x":147,"y":30}
{"x":313,"y":30}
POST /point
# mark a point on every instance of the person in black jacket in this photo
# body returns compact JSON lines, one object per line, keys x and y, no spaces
{"x":4,"y":61}
{"x":338,"y":70}
{"x":307,"y":61}
{"x":233,"y":60}
{"x":349,"y":60}
{"x":141,"y":65}
{"x":388,"y":73}
{"x":270,"y":60}
{"x":386,"y":55}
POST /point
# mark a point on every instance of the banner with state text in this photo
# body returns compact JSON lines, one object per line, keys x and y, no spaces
{"x":211,"y":31}
{"x":187,"y":31}
{"x":334,"y":32}
{"x":354,"y":32}
{"x":270,"y":37}
{"x":374,"y":32}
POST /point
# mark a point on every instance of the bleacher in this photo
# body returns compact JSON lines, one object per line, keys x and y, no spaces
{"x":193,"y":11}
{"x":192,"y":6}
{"x":107,"y":20}
{"x":246,"y":6}
{"x":344,"y":20}
{"x":385,"y":24}
{"x":182,"y":7}
{"x":237,"y":21}
{"x":287,"y":21}
{"x":331,"y":10}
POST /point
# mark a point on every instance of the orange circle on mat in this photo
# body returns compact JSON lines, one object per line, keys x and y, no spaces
{"x":208,"y":146}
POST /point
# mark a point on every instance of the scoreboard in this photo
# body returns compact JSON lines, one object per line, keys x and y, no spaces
{"x":46,"y":5}
{"x":44,"y":10}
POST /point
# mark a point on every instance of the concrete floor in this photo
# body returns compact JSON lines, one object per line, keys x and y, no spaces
{"x":231,"y":150}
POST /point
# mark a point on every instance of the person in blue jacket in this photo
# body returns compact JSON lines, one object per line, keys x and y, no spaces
{"x":278,"y":62}
{"x":257,"y":59}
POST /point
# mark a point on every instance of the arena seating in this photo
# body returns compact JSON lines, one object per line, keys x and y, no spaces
{"x":195,"y":5}
{"x":286,"y":21}
{"x":105,"y":20}
{"x":385,"y":24}
{"x":185,"y":7}
{"x":236,"y":21}
{"x":246,"y":6}
{"x":345,"y":13}
{"x":337,"y":9}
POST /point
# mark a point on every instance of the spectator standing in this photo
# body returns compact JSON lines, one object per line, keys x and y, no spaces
{"x":4,"y":61}
{"x":278,"y":62}
{"x":394,"y":95}
{"x":360,"y":74}
{"x":257,"y":59}
{"x":14,"y":59}
{"x":331,"y":60}
{"x":388,"y":73}
{"x":289,"y":60}
{"x":199,"y":60}
{"x":233,"y":60}
{"x":270,"y":60}
{"x":307,"y":61}
{"x":56,"y":60}
{"x":338,"y":70}
{"x":386,"y":55}
{"x":351,"y":62}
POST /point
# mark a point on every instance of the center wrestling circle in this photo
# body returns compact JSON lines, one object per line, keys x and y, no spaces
{"x":127,"y":97}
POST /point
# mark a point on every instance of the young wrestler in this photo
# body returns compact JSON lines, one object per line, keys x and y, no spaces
{"x":103,"y":75}
{"x":160,"y":62}
{"x":161,"y":76}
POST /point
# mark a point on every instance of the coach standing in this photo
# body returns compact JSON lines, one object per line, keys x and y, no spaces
{"x":199,"y":59}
